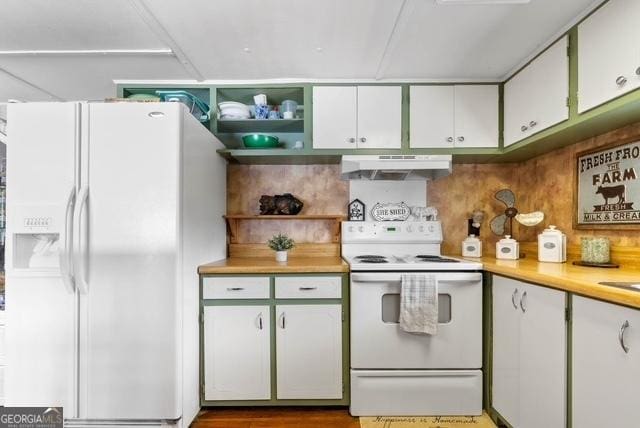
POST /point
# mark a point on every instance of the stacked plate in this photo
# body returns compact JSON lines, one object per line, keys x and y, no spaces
{"x":234,"y":110}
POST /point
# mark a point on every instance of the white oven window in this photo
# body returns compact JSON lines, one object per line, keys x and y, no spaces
{"x":391,"y":308}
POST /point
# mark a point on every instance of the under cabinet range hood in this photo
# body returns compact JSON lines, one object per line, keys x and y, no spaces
{"x":395,"y":167}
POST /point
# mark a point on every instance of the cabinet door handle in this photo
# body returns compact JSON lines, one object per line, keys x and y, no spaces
{"x":522,"y":302}
{"x":351,"y":140}
{"x":307,"y":288}
{"x":282,"y":321}
{"x":533,"y":123}
{"x":235,"y":288}
{"x":363,"y":140}
{"x":621,"y":81}
{"x":624,"y":327}
{"x":514,"y":296}
{"x":260,"y":321}
{"x":524,"y":128}
{"x":450,"y":139}
{"x":461,"y":139}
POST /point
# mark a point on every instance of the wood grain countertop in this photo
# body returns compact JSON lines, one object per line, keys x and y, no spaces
{"x":270,"y":265}
{"x":568,"y":277}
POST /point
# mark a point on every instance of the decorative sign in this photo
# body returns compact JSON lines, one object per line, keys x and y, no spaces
{"x":608,"y":187}
{"x":356,"y":210}
{"x":390,"y":212}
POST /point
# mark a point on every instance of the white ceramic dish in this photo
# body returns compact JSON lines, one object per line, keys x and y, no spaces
{"x":233,"y":105}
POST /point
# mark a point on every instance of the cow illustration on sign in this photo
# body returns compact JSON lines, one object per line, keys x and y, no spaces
{"x":612,"y":192}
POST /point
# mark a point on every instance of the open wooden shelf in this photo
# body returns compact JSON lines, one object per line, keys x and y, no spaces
{"x":234,"y":219}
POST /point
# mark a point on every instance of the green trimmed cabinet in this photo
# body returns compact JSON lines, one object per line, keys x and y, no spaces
{"x":605,"y":364}
{"x":529,"y":380}
{"x":537,"y":97}
{"x":274,"y":339}
{"x":357,"y":117}
{"x":608,"y":53}
{"x":453,"y":116}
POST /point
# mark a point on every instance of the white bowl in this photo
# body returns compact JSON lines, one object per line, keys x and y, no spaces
{"x":233,"y":105}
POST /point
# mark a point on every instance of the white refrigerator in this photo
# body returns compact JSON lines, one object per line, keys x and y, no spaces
{"x":111,"y":208}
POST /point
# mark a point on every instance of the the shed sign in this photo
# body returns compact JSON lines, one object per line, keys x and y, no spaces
{"x":390,"y":212}
{"x":608,"y":183}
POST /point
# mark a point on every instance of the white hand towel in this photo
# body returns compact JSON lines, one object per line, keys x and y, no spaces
{"x":419,"y":304}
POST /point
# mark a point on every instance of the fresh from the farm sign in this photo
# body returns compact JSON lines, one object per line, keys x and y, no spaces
{"x":608,"y":186}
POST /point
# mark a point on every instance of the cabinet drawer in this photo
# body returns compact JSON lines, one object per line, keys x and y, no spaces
{"x":235,"y":287}
{"x":309,"y":287}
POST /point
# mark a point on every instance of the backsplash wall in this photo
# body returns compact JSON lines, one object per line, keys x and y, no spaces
{"x":543,"y":183}
{"x":318,"y":186}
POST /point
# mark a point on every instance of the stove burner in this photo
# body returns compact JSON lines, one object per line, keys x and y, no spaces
{"x":367,"y":256}
{"x":373,"y":260}
{"x":421,"y":258}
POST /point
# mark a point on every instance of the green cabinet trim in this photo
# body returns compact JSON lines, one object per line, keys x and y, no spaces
{"x":272,"y":302}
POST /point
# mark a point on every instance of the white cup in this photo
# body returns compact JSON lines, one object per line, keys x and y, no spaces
{"x":287,"y":115}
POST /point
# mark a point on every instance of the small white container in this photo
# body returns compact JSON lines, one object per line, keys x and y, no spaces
{"x":281,"y":256}
{"x":552,"y":246}
{"x":472,"y":247}
{"x":507,"y":248}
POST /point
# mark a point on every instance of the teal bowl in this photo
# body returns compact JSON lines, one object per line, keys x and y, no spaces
{"x":260,"y":141}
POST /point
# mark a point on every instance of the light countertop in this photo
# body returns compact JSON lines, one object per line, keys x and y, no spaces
{"x":270,"y":265}
{"x":568,"y":277}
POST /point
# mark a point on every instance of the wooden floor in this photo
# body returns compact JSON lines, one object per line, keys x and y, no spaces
{"x":280,"y":417}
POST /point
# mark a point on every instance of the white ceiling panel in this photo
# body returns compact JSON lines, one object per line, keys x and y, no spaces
{"x":483,"y":41}
{"x":12,"y":88}
{"x":282,"y":36}
{"x":73,"y":24}
{"x":77,"y":78}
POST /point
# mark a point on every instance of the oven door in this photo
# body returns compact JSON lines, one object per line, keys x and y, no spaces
{"x":378,"y":342}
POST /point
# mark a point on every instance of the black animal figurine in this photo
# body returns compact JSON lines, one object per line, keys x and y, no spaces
{"x":285,"y":204}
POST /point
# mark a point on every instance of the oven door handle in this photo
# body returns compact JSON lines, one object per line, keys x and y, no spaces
{"x":396,"y":277}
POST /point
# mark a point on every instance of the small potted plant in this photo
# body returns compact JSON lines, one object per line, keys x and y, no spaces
{"x":280,"y":243}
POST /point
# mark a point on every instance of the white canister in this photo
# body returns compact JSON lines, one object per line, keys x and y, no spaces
{"x":472,"y":247}
{"x":552,"y":246}
{"x":507,"y":248}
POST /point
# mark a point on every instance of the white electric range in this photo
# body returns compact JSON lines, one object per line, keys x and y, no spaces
{"x":394,"y":373}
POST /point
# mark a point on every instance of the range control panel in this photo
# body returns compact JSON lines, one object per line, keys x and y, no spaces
{"x":391,"y":231}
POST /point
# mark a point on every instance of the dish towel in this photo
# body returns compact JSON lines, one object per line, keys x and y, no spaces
{"x":419,"y":304}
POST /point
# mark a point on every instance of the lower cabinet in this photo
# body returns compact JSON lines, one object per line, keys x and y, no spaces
{"x":309,"y":351}
{"x":529,"y":354}
{"x":237,"y":353}
{"x":272,"y":350}
{"x":606,"y":364}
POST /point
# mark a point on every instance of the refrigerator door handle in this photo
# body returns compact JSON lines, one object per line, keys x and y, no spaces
{"x":79,"y":264}
{"x":66,"y":252}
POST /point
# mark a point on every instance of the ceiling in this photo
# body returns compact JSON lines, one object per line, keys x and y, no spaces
{"x":90,"y":43}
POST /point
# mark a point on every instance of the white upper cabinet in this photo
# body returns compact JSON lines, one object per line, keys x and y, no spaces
{"x":453,"y":116}
{"x":379,"y":117}
{"x":350,"y":117}
{"x":335,"y":115}
{"x":476,"y":115}
{"x":536,"y":98}
{"x":606,"y":364}
{"x":608,"y":53}
{"x":431,"y":116}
